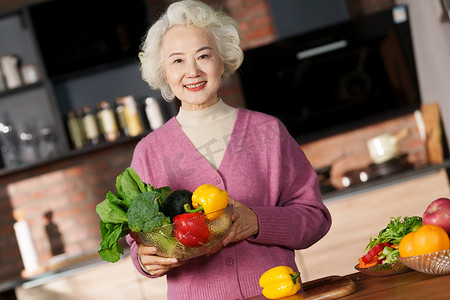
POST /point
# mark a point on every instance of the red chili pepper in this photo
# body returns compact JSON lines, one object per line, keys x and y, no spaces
{"x":374,"y":251}
{"x":191,"y":229}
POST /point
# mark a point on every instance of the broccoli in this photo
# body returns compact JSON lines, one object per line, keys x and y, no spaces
{"x":144,"y":215}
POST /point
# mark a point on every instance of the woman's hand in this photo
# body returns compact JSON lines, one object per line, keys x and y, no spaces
{"x":245,"y":223}
{"x":153,"y":264}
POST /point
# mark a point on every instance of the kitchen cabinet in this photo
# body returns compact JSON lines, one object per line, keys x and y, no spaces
{"x":27,"y":112}
{"x":33,"y":116}
{"x":356,"y":216}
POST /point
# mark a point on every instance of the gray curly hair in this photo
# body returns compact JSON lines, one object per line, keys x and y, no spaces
{"x":189,"y":12}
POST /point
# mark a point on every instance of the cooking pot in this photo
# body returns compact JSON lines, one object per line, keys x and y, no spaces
{"x":386,"y":146}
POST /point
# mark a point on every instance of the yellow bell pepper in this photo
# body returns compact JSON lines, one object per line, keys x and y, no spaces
{"x":279,"y":282}
{"x":209,"y":199}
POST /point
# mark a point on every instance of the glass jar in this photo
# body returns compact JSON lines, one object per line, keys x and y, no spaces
{"x":107,"y":121}
{"x":120,"y":113}
{"x":91,"y":127}
{"x":75,"y":130}
{"x":132,"y":117}
{"x":154,"y":114}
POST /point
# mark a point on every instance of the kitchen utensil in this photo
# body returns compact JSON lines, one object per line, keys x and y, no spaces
{"x":9,"y":64}
{"x":386,"y":146}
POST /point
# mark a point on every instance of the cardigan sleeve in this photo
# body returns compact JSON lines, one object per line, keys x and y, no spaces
{"x":299,"y":219}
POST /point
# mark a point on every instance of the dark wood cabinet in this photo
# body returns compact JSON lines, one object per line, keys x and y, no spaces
{"x":33,"y":116}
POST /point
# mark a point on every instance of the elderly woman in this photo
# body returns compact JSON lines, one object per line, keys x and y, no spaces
{"x":277,"y":204}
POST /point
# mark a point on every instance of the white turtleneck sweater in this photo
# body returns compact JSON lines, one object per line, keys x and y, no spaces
{"x":209,"y":129}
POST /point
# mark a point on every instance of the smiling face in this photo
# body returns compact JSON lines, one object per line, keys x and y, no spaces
{"x":192,"y":66}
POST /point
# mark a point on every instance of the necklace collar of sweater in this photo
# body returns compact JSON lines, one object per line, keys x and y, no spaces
{"x":188,"y":118}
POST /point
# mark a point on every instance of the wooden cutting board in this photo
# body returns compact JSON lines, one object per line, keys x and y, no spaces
{"x":327,"y":288}
{"x":330,"y":287}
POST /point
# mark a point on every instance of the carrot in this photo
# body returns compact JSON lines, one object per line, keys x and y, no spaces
{"x":371,"y":263}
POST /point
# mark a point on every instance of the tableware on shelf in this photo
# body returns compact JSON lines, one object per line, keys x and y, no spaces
{"x":437,"y":263}
{"x":30,"y":73}
{"x":2,"y":82}
{"x":9,"y":65}
{"x":171,"y":247}
{"x":385,"y":269}
{"x":9,"y":145}
{"x":28,"y":145}
{"x":47,"y":143}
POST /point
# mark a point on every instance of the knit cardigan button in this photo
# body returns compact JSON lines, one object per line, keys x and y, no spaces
{"x":229,"y":261}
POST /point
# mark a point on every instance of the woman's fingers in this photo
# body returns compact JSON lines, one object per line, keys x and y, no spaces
{"x":156,"y":265}
{"x":245,"y":223}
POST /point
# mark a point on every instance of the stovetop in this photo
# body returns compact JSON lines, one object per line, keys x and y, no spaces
{"x":390,"y":178}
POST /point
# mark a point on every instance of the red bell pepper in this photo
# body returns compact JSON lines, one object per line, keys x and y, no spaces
{"x":374,"y":251}
{"x":191,"y":229}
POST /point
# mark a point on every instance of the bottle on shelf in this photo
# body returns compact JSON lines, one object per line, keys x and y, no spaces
{"x":9,"y":145}
{"x":120,"y":113}
{"x":90,"y":125}
{"x":154,"y":113}
{"x":9,"y":64}
{"x":75,"y":130}
{"x":107,"y":121}
{"x":132,"y":116}
{"x":2,"y":82}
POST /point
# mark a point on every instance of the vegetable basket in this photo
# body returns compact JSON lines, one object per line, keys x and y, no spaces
{"x":437,"y":263}
{"x":384,"y":269}
{"x":171,"y":243}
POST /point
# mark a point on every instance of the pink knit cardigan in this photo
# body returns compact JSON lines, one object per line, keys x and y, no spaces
{"x":265,"y":169}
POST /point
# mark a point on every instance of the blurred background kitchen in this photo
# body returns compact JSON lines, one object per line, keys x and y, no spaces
{"x":361,"y":84}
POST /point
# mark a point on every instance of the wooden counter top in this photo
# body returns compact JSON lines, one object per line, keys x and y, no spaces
{"x":410,"y":285}
{"x":406,"y":286}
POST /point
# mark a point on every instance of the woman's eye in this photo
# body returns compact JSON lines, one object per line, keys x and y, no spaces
{"x":178,"y":60}
{"x":203,"y":56}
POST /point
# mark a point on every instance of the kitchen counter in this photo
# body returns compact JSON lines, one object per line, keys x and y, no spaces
{"x":385,"y":180}
{"x":409,"y":285}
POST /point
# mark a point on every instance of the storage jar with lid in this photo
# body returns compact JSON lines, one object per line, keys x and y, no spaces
{"x":120,"y":113}
{"x":132,"y":116}
{"x":154,"y":113}
{"x":91,"y":127}
{"x":74,"y":126}
{"x":107,"y":121}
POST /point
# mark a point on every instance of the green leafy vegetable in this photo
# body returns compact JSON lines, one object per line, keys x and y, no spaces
{"x":395,"y":231}
{"x":144,"y":215}
{"x":113,"y":211}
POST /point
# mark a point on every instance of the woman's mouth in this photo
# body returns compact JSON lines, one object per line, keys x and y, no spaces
{"x":195,"y":86}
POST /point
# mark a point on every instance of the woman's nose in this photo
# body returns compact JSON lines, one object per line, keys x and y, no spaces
{"x":193,"y":70}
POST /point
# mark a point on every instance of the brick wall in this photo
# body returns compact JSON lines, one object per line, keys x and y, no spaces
{"x":69,"y":189}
